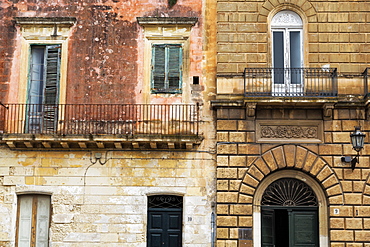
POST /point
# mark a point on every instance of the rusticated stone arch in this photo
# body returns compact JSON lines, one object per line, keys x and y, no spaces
{"x":366,"y":191}
{"x":291,"y":157}
{"x":271,"y":7}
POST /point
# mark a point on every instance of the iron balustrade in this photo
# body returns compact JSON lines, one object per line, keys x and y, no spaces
{"x":100,"y":119}
{"x":290,"y":82}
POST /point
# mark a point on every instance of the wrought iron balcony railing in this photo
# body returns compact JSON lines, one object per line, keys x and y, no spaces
{"x":290,"y":82}
{"x":100,"y":119}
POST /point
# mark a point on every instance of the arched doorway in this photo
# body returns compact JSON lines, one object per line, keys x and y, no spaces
{"x":290,"y":209}
{"x":289,"y":214}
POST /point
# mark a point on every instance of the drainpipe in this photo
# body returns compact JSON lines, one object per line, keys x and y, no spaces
{"x":213,"y":226}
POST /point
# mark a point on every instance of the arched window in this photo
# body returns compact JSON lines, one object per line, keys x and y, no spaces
{"x":287,"y":52}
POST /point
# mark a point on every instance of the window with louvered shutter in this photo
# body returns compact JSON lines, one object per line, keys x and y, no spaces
{"x":43,"y":89}
{"x":33,"y":221}
{"x":166,"y":68}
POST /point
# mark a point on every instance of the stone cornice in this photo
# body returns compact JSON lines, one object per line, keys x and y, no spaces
{"x":45,"y":20}
{"x":186,"y":21}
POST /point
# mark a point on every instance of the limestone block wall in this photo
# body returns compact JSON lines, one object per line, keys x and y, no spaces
{"x":244,"y":162}
{"x":335,"y":34}
{"x":106,"y":205}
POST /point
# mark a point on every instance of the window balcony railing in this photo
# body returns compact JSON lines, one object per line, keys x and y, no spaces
{"x":100,"y":119}
{"x":290,"y":82}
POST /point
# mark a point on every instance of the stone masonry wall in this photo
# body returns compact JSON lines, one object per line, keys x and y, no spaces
{"x":106,"y":205}
{"x":336,"y":33}
{"x":242,"y":164}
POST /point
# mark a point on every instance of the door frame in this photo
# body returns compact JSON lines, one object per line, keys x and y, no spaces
{"x":323,"y":230}
{"x":292,"y":209}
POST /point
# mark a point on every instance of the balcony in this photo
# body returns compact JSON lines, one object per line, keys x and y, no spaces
{"x":290,"y":82}
{"x":94,"y":126}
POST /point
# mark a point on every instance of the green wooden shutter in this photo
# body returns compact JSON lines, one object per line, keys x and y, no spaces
{"x":166,"y":68}
{"x":52,"y":74}
{"x":174,"y":68}
{"x":51,"y":89}
{"x":159,"y":67}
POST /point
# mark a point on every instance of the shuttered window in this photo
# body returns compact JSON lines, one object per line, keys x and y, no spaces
{"x":33,"y":221}
{"x":166,"y":68}
{"x":43,"y":88}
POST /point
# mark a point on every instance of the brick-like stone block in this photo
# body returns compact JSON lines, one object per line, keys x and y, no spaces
{"x":222,"y":136}
{"x":333,"y":244}
{"x":223,"y":232}
{"x":330,"y":149}
{"x":227,"y":148}
{"x":350,"y":174}
{"x":245,"y":221}
{"x":234,"y":185}
{"x":222,"y":185}
{"x":335,"y":190}
{"x":253,"y":170}
{"x":245,"y":198}
{"x":238,"y":161}
{"x":341,"y":211}
{"x":341,"y":235}
{"x":237,"y":136}
{"x":363,"y":236}
{"x":241,"y":209}
{"x":362,"y":211}
{"x":354,"y":223}
{"x":324,"y":173}
{"x":227,"y":197}
{"x":227,"y":221}
{"x":246,"y":125}
{"x":248,"y":149}
{"x":340,"y":137}
{"x":262,"y":166}
{"x":226,"y":125}
{"x":337,"y":223}
{"x":330,"y":181}
{"x":227,"y":172}
{"x":352,"y":198}
{"x":222,"y":209}
{"x":336,"y":200}
{"x":222,"y":160}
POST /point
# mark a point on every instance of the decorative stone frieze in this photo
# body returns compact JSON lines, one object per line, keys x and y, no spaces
{"x":285,"y":131}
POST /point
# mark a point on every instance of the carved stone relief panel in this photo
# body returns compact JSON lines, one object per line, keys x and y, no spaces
{"x":287,"y":131}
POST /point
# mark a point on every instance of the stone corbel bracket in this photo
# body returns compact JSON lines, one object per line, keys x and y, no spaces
{"x":328,"y":111}
{"x":251,"y":109}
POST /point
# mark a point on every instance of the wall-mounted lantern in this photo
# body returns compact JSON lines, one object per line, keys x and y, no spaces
{"x":357,"y":141}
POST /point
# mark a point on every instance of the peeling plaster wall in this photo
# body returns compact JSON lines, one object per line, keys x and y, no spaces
{"x":104,"y":57}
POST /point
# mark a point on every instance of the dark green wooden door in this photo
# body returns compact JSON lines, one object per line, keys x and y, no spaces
{"x":164,"y":227}
{"x":293,"y":225}
{"x":268,"y":228}
{"x":303,"y":228}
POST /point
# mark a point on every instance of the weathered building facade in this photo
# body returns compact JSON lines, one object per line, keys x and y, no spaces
{"x":292,"y":82}
{"x":106,"y":126}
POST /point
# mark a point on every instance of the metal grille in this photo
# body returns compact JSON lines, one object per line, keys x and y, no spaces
{"x":165,"y":201}
{"x":289,"y":192}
